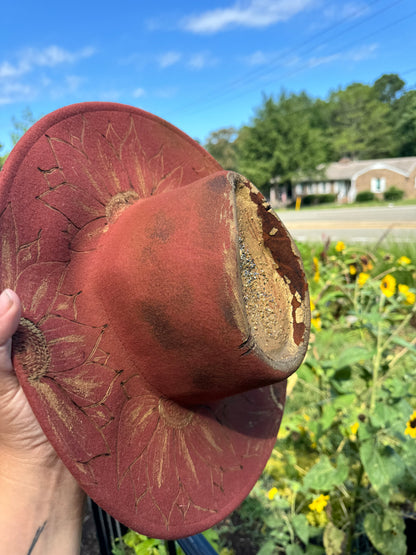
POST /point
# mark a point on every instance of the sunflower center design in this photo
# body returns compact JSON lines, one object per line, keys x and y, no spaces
{"x":118,"y":203}
{"x":173,"y":414}
{"x":29,"y":344}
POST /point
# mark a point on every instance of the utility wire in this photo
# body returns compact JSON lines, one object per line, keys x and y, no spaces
{"x":190,"y":107}
{"x":307,"y":65}
{"x":276,"y":62}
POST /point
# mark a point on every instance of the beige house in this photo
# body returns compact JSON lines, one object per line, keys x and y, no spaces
{"x":349,"y":177}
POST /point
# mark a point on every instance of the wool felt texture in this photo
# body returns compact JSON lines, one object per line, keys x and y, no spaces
{"x":164,"y":306}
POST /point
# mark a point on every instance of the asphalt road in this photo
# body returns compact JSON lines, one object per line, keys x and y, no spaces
{"x":370,"y":225}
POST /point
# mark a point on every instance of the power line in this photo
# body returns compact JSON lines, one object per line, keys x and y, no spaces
{"x":247,"y":77}
{"x":306,"y":65}
{"x":264,"y":71}
{"x":277,"y":61}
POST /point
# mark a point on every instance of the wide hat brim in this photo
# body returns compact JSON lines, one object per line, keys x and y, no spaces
{"x":164,"y":468}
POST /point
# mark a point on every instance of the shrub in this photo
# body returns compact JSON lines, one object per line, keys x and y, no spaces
{"x":365,"y":196}
{"x":309,"y":200}
{"x":393,"y":193}
{"x":327,"y":197}
{"x":312,"y":200}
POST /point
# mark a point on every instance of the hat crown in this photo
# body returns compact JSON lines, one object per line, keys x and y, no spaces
{"x":186,"y":279}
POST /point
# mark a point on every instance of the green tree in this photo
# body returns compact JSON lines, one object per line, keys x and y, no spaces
{"x":20,"y":126}
{"x":2,"y":157}
{"x":360,"y":124}
{"x":387,"y":87}
{"x":405,"y":124}
{"x":222,"y":146}
{"x":282,"y":142}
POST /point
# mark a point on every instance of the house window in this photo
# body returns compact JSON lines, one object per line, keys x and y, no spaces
{"x":378,"y":184}
{"x":298,"y":190}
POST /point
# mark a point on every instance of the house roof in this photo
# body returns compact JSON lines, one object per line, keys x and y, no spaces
{"x":350,"y":169}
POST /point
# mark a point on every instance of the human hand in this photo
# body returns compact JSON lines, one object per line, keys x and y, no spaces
{"x":20,"y":433}
{"x":41,"y":504}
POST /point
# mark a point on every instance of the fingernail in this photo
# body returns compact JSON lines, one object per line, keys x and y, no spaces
{"x":6,"y":301}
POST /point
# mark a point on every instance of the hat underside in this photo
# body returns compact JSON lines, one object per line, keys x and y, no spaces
{"x":161,"y":467}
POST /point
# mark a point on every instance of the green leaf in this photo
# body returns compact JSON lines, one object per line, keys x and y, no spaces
{"x":384,"y":467}
{"x":267,"y":548}
{"x":301,"y":527}
{"x":294,"y":550}
{"x":366,"y":431}
{"x":409,"y":458}
{"x":344,"y":401}
{"x":314,"y":550}
{"x":387,"y":533}
{"x":383,"y":415}
{"x":323,"y":476}
{"x":403,"y":343}
{"x":351,"y":356}
{"x":334,"y":540}
{"x":328,"y":416}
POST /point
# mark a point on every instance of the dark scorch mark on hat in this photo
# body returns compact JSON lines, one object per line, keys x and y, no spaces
{"x":163,"y":329}
{"x":161,"y":228}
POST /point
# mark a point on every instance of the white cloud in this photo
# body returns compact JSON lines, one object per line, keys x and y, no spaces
{"x":111,"y":95}
{"x":139,"y":92}
{"x":258,"y":58}
{"x":20,"y":80}
{"x":359,"y":54}
{"x":29,"y":59}
{"x":349,"y":10}
{"x":363,"y":52}
{"x":10,"y":92}
{"x":200,"y":60}
{"x":254,"y":13}
{"x":169,"y":59}
{"x":322,"y":60}
{"x":54,"y":55}
{"x":167,"y":92}
{"x":7,"y":70}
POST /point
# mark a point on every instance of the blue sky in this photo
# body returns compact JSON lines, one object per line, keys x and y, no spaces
{"x":200,"y":65}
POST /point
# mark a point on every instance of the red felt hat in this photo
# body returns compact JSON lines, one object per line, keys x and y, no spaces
{"x":164,"y":305}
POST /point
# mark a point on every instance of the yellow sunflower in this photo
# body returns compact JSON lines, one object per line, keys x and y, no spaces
{"x":388,"y":285}
{"x":362,"y":278}
{"x":404,"y":260}
{"x":271,"y":494}
{"x":319,"y":504}
{"x":316,"y":276}
{"x":411,"y":426}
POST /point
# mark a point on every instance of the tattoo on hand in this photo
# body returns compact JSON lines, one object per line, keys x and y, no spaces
{"x":35,"y":539}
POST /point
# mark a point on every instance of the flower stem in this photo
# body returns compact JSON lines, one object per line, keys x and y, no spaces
{"x":377,"y":356}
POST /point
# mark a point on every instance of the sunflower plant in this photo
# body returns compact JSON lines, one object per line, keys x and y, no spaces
{"x":342,"y":476}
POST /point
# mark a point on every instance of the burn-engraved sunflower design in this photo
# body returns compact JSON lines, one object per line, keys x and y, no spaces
{"x":155,"y":464}
{"x":182,"y":462}
{"x":58,"y":358}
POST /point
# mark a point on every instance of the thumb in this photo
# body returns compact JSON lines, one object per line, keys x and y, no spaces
{"x":9,"y":320}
